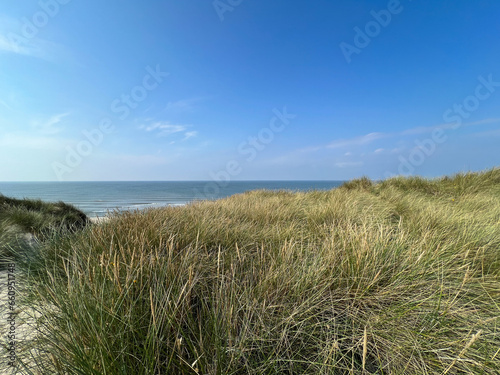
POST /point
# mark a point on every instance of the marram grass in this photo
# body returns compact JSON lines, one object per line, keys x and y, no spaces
{"x":400,"y":277}
{"x":24,"y":220}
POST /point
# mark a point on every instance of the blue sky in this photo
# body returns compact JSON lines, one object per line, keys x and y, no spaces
{"x":245,"y":90}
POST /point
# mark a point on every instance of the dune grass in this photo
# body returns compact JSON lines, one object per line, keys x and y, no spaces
{"x":399,"y":277}
{"x":23,"y":220}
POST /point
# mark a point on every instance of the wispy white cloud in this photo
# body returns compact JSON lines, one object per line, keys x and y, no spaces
{"x":49,"y":126}
{"x":13,"y":41}
{"x":358,"y":151}
{"x":190,"y":134}
{"x":369,"y":138}
{"x":35,"y":47}
{"x":386,"y":151}
{"x":7,"y":46}
{"x":165,"y":129}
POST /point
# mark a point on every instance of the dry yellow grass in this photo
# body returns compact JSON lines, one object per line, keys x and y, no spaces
{"x":400,"y":277}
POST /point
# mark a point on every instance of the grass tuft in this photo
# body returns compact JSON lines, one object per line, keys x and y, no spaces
{"x":24,"y":222}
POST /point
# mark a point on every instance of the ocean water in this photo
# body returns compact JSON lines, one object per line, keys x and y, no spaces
{"x":98,"y":198}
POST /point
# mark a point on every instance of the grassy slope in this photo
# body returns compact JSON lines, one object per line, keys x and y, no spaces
{"x":19,"y":217}
{"x":401,"y":277}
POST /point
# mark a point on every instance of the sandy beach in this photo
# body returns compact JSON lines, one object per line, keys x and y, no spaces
{"x":99,"y":220}
{"x":23,"y":323}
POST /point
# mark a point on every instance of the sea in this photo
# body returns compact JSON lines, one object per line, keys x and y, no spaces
{"x":97,"y":199}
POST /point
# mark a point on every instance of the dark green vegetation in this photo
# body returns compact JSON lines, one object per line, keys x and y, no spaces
{"x":24,"y":220}
{"x":400,"y":277}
